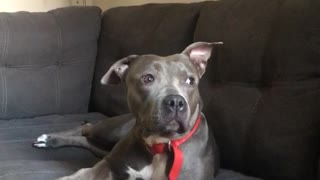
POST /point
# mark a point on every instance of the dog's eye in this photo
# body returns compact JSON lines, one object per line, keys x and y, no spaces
{"x":147,"y":79}
{"x":190,"y":80}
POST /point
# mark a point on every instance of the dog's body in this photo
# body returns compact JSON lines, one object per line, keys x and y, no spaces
{"x":166,"y":107}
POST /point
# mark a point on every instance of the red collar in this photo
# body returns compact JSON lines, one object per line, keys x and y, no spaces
{"x":174,"y":145}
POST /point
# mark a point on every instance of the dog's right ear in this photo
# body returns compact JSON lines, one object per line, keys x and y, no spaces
{"x":199,"y":53}
{"x":118,"y":71}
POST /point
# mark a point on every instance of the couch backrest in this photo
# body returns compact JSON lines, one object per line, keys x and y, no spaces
{"x":47,"y":61}
{"x":262,"y":86}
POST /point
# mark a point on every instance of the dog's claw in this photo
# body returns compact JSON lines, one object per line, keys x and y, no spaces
{"x":41,"y":141}
{"x":40,"y":145}
{"x":42,"y":138}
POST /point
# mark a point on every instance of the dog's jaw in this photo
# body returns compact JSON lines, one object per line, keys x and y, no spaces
{"x":155,"y":139}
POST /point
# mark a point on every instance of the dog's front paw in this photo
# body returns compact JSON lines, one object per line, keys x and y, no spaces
{"x":45,"y":141}
{"x":41,"y":141}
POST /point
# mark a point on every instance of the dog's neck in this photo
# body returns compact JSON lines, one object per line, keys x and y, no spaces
{"x":147,"y":137}
{"x":159,"y":148}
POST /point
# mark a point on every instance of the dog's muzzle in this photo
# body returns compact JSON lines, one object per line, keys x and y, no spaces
{"x":174,"y":110}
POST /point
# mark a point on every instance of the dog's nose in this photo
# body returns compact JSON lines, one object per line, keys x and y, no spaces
{"x":174,"y":103}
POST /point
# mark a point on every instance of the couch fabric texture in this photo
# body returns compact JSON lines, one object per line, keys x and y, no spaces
{"x":261,"y":90}
{"x":20,"y":161}
{"x":47,"y":61}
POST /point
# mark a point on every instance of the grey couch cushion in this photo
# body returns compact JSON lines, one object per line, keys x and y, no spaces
{"x":19,"y":160}
{"x":35,"y":170}
{"x":232,"y":175}
{"x":47,"y":61}
{"x":261,"y":89}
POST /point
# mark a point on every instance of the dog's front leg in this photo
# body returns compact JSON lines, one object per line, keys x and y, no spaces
{"x":55,"y":141}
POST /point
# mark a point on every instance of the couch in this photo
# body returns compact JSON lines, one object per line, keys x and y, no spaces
{"x":261,"y":90}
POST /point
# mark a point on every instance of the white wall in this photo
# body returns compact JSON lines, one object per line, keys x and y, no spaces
{"x":106,"y":4}
{"x":45,"y":5}
{"x":37,"y":5}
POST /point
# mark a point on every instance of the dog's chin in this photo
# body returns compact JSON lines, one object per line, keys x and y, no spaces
{"x":174,"y":129}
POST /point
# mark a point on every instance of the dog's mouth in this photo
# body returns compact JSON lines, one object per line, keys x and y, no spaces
{"x":169,"y":125}
{"x":173,"y":128}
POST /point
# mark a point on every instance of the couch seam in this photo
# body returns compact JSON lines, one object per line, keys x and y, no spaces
{"x":47,"y":65}
{"x":2,"y":57}
{"x":2,"y":94}
{"x":57,"y":82}
{"x":60,"y":45}
{"x":2,"y":69}
{"x":267,"y":45}
{"x":55,"y":124}
{"x":57,"y":76}
{"x":251,"y":128}
{"x":28,"y":172}
{"x":35,"y":29}
{"x":17,"y":140}
{"x":274,"y":83}
{"x":5,"y":43}
{"x":5,"y":94}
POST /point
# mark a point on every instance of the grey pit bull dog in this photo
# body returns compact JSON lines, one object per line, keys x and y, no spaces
{"x":165,"y":137}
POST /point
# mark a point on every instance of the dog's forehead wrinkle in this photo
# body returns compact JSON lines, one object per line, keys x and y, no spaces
{"x":181,"y":65}
{"x":144,"y":62}
{"x":158,"y":66}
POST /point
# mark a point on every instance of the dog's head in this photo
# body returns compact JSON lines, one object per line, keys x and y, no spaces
{"x":163,"y":92}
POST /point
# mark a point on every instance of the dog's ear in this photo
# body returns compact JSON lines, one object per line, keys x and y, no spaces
{"x":118,"y":71}
{"x":199,"y":53}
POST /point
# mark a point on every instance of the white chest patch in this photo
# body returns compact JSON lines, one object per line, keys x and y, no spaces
{"x":145,"y":173}
{"x":154,"y":171}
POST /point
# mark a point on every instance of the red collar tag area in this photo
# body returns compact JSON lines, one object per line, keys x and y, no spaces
{"x":174,"y":146}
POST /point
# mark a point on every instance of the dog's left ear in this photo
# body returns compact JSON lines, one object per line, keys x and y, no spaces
{"x":118,"y":71}
{"x":199,"y":53}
